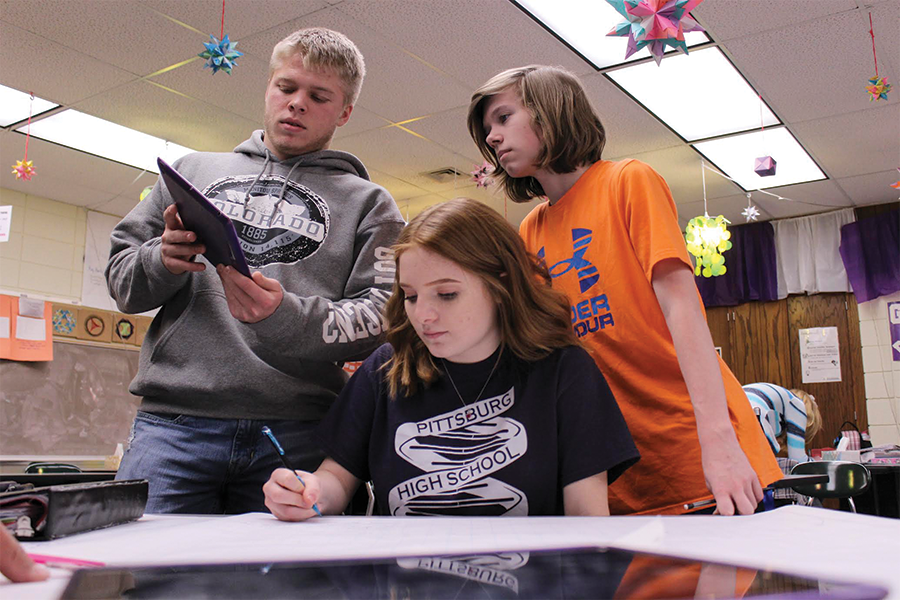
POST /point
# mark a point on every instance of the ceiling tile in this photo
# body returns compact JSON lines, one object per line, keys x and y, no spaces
{"x":400,"y":190}
{"x":728,"y":20}
{"x":815,"y":69}
{"x":803,"y":199}
{"x":449,"y":127}
{"x":865,"y":141}
{"x":681,"y":168}
{"x":242,"y":17}
{"x":243,"y":92}
{"x":873,"y":188}
{"x":121,"y":33}
{"x":153,"y":110}
{"x":406,"y":157}
{"x":360,"y":120}
{"x":397,"y":85}
{"x":48,"y":76}
{"x":76,"y":178}
{"x":445,"y":35}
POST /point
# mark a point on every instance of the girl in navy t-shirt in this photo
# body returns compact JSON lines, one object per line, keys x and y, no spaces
{"x":482,"y":402}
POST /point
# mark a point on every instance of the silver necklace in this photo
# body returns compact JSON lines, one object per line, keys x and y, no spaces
{"x":484,"y":387}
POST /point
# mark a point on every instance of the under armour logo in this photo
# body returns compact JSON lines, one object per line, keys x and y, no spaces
{"x":587,"y":273}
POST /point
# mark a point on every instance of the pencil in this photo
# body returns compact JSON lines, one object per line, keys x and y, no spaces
{"x":698,"y":504}
{"x":285,"y":462}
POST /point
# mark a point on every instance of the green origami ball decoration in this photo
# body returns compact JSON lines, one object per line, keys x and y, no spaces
{"x":144,"y":192}
{"x":707,"y":238}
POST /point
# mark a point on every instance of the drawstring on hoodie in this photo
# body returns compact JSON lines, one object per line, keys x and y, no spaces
{"x":283,"y":187}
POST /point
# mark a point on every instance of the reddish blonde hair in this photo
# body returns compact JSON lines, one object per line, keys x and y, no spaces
{"x":534,"y":318}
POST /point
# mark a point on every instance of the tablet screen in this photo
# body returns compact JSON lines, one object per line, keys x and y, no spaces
{"x":568,"y":574}
{"x":214,"y":229}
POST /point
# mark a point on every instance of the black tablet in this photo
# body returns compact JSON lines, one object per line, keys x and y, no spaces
{"x":565,"y":574}
{"x":214,"y":230}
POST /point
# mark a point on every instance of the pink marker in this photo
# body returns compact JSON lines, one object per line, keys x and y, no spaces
{"x":61,"y":562}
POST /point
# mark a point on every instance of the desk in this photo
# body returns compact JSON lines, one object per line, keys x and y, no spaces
{"x":796,"y":539}
{"x":883,"y":496}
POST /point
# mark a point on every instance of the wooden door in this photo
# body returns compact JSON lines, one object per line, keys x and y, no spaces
{"x":839,"y":401}
{"x":719,"y":320}
{"x":760,"y":346}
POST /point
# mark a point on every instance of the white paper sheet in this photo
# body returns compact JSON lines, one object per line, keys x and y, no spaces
{"x":795,"y":539}
{"x":31,"y":329}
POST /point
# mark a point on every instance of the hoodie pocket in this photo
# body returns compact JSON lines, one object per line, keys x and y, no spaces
{"x":191,"y":322}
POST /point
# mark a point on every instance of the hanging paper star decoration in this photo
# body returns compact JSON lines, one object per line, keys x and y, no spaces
{"x":655,"y":24}
{"x":482,"y":175}
{"x":707,"y":238}
{"x":751,"y":213}
{"x":220,"y":54}
{"x":23,"y":169}
{"x":878,"y":88}
{"x":896,"y":186}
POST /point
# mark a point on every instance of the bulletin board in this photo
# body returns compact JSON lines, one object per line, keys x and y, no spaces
{"x":76,"y":404}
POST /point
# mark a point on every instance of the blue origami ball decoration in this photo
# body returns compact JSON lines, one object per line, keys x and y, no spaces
{"x":220,"y":54}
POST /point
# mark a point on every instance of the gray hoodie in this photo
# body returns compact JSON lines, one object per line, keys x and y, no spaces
{"x":313,"y":222}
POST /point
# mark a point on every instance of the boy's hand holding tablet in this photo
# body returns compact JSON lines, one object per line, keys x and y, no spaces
{"x":179,"y":246}
{"x":194,"y":226}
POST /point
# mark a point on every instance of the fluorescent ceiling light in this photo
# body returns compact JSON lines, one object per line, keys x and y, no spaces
{"x":583,"y":24}
{"x":15,"y":106}
{"x":736,"y":155}
{"x":699,"y":95}
{"x":103,"y":138}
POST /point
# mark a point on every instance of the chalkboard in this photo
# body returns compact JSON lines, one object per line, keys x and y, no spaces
{"x":76,"y":404}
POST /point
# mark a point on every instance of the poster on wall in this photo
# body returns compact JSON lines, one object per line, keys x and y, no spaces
{"x":894,"y":320}
{"x":820,"y":356}
{"x":94,"y":292}
{"x":5,"y":222}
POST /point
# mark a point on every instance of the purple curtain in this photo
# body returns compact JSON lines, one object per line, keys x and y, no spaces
{"x":870,"y":249}
{"x":752,"y":272}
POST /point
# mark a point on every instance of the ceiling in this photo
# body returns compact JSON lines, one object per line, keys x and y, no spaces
{"x":809,"y":59}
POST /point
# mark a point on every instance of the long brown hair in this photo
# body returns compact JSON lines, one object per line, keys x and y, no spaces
{"x":534,"y":319}
{"x":570,"y":130}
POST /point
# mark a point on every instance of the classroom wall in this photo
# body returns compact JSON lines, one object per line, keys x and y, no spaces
{"x":45,"y":252}
{"x":882,"y":373}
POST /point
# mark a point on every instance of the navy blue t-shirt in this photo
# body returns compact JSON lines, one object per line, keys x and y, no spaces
{"x":537,"y":427}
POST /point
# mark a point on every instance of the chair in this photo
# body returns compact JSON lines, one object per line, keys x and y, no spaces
{"x":845,"y":480}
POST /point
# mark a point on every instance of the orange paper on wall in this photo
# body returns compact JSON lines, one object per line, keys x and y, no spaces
{"x":25,"y":337}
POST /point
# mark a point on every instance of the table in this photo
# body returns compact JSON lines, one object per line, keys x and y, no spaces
{"x":808,"y":541}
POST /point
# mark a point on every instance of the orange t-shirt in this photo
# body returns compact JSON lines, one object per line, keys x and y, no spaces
{"x":601,"y":241}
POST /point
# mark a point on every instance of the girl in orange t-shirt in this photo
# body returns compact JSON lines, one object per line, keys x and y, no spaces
{"x":609,"y":236}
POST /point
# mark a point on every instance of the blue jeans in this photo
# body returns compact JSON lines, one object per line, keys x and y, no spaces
{"x":199,"y":465}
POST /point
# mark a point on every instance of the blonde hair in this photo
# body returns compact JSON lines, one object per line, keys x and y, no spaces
{"x":322,"y":48}
{"x":534,"y":319}
{"x":813,"y":415}
{"x":562,"y":116}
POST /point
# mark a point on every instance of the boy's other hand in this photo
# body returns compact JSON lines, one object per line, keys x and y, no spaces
{"x":250,"y":299}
